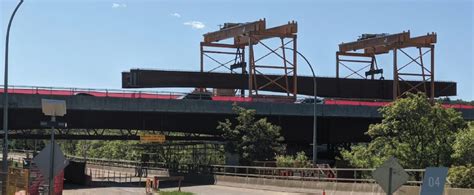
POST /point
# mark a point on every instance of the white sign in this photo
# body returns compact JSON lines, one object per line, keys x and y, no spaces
{"x":53,"y":107}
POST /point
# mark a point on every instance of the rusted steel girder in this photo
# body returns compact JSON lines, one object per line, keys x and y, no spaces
{"x":232,"y":32}
{"x":374,"y":42}
{"x":287,"y":30}
{"x":327,"y":87}
{"x":420,"y":41}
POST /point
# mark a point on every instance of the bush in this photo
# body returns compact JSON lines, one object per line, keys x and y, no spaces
{"x":300,"y":160}
{"x":284,"y":161}
{"x":462,"y":176}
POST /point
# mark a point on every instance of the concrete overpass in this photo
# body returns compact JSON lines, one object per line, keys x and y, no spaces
{"x":336,"y":123}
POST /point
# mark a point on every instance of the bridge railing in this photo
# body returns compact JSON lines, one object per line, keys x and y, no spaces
{"x":355,"y":175}
{"x":19,"y":89}
{"x":119,"y":163}
{"x":309,"y":174}
{"x":117,"y":93}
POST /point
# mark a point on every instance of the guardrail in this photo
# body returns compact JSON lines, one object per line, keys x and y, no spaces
{"x":118,"y":93}
{"x":18,"y":89}
{"x":309,"y":174}
{"x":120,"y":163}
{"x":345,"y":175}
{"x":356,"y":175}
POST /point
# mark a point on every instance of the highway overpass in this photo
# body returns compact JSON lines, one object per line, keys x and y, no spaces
{"x":336,"y":123}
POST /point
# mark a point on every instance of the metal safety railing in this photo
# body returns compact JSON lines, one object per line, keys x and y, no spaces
{"x":309,"y":174}
{"x":139,"y":94}
{"x":119,"y":163}
{"x":355,"y":175}
{"x":65,"y":91}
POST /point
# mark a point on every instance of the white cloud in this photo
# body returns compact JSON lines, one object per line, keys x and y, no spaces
{"x":195,"y":24}
{"x":176,"y":15}
{"x":119,"y":5}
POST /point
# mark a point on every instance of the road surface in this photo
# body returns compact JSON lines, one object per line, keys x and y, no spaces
{"x":202,"y":189}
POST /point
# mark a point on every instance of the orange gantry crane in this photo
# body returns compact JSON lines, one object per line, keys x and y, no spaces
{"x":249,"y":36}
{"x":365,"y":49}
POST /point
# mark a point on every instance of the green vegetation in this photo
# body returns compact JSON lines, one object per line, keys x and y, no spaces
{"x":251,"y":139}
{"x":462,"y":176}
{"x":447,"y":100}
{"x":412,"y":130}
{"x":166,"y":153}
{"x":170,"y":154}
{"x":300,"y":160}
{"x":125,"y":150}
{"x":174,"y":193}
{"x":419,"y":135}
{"x":464,"y":146}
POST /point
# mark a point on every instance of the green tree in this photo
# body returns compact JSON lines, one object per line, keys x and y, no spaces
{"x":414,"y":131}
{"x":464,"y":146}
{"x":461,"y":176}
{"x":123,"y":150}
{"x":251,"y":139}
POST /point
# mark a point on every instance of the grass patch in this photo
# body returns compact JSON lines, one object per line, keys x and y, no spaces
{"x":174,"y":193}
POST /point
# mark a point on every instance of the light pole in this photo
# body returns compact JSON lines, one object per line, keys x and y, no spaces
{"x":5,"y":100}
{"x":315,"y":119}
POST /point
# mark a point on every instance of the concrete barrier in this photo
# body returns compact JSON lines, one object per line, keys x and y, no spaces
{"x":331,"y":188}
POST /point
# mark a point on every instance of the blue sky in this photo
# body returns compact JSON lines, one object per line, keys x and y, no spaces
{"x":88,"y":43}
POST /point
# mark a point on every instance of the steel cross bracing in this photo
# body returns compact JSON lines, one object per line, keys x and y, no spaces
{"x":103,"y":134}
{"x":248,"y":36}
{"x":377,"y":44}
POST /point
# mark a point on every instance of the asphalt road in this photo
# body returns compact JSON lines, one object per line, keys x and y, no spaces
{"x":203,"y":189}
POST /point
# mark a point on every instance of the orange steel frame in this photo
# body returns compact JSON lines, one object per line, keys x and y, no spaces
{"x":248,"y":35}
{"x":396,"y":43}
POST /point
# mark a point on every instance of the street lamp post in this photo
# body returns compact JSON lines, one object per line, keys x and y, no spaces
{"x":5,"y":100}
{"x":315,"y":119}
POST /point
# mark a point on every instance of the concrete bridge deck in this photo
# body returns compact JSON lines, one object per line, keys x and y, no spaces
{"x":336,"y":123}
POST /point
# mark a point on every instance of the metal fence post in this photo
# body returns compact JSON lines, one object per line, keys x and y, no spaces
{"x":355,"y":175}
{"x":139,"y":180}
{"x":247,"y":175}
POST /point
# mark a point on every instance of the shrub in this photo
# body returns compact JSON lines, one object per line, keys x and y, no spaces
{"x":462,"y":176}
{"x":300,"y":160}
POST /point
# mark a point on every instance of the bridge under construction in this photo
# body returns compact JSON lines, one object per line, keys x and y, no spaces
{"x":256,"y":67}
{"x":230,"y":62}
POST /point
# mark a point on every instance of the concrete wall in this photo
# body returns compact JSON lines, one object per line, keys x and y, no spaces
{"x":89,"y":103}
{"x":331,"y":188}
{"x":25,"y":101}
